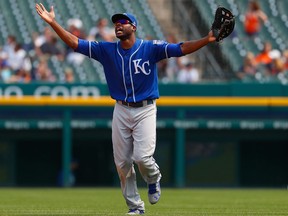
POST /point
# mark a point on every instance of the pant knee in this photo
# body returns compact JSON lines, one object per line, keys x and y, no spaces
{"x":143,"y":161}
{"x":124,"y":167}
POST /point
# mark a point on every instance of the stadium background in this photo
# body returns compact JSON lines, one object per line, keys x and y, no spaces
{"x":231,"y":132}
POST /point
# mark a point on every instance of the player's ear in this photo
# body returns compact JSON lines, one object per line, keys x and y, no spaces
{"x":133,"y":28}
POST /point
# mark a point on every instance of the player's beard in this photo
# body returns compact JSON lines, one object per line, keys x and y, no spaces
{"x":124,"y":35}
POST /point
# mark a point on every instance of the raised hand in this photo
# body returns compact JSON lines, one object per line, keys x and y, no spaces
{"x":211,"y":37}
{"x":44,"y":14}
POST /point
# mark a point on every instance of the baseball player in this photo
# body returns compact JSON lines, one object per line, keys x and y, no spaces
{"x":130,"y":70}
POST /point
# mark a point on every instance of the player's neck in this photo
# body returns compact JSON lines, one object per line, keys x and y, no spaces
{"x":128,"y":42}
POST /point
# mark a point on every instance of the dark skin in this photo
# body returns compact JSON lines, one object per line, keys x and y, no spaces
{"x":125,"y":32}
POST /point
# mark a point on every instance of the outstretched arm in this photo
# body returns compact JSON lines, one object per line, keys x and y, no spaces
{"x":49,"y":17}
{"x":192,"y":46}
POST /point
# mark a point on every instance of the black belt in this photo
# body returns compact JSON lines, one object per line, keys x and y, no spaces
{"x":136,"y":104}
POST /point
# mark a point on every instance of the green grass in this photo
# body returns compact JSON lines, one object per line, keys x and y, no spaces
{"x":109,"y":201}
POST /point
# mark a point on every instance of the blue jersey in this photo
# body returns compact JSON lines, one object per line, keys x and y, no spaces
{"x":131,"y":74}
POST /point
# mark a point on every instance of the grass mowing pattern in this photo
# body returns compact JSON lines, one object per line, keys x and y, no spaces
{"x":109,"y":201}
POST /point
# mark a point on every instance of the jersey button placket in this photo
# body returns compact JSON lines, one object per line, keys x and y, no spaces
{"x":128,"y":78}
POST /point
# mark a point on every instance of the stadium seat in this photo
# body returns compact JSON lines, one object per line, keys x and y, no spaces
{"x":274,"y":31}
{"x":24,"y":21}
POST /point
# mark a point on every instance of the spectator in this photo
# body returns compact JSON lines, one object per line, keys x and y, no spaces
{"x":18,"y":59}
{"x":39,"y":39}
{"x":161,"y":68}
{"x":283,"y":75}
{"x":16,"y":67}
{"x":21,"y":76}
{"x":69,"y":75}
{"x":285,"y":59}
{"x":173,"y":65}
{"x":75,"y":26}
{"x":47,"y":44}
{"x":5,"y":70}
{"x":10,"y":44}
{"x":253,"y":18}
{"x":101,"y":31}
{"x":270,"y":61}
{"x":264,"y":57}
{"x":51,"y":47}
{"x":277,"y":66}
{"x":6,"y":73}
{"x":249,"y":68}
{"x":43,"y":72}
{"x":188,"y":74}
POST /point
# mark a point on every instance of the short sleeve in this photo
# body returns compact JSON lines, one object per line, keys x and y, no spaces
{"x":88,"y":48}
{"x":163,"y":50}
{"x":83,"y":47}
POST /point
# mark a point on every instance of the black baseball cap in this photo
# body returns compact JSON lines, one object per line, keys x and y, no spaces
{"x":125,"y":16}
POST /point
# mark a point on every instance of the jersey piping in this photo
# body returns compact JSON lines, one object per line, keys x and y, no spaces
{"x":123,"y":75}
{"x":166,"y":53}
{"x":130,"y":71}
{"x":89,"y":49}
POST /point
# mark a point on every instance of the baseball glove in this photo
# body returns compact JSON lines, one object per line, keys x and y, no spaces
{"x":223,"y":25}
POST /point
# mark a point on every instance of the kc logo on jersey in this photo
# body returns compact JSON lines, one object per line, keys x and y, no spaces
{"x":142,"y":67}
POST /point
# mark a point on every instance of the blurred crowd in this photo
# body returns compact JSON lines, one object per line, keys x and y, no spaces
{"x":266,"y":66}
{"x":26,"y":63}
{"x":269,"y":64}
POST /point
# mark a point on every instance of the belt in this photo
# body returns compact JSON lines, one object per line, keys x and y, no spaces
{"x":136,"y":104}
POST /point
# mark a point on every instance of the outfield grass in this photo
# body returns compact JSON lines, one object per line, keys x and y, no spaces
{"x":109,"y":201}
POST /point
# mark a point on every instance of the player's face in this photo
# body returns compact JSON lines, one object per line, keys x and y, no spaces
{"x":123,"y":29}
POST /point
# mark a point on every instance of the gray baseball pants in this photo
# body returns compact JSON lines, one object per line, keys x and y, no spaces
{"x":134,"y":141}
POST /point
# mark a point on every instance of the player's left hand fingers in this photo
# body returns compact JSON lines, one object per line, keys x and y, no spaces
{"x":38,"y":9}
{"x":42,"y":7}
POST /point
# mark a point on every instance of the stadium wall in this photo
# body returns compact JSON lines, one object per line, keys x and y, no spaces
{"x":208,"y":135}
{"x":198,"y":89}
